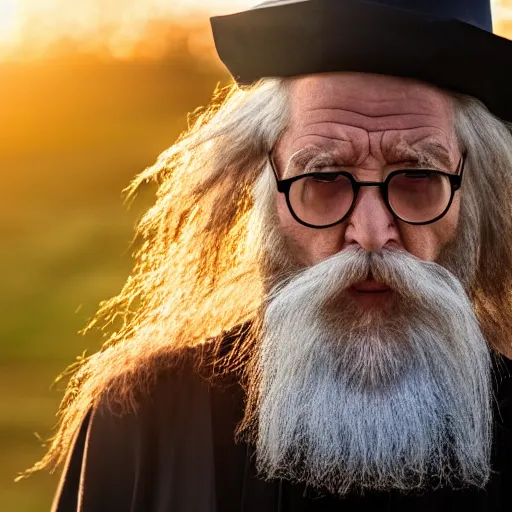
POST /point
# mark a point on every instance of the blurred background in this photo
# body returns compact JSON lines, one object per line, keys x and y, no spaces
{"x":90,"y":93}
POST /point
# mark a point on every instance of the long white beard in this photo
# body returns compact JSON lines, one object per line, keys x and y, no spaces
{"x":348,"y":400}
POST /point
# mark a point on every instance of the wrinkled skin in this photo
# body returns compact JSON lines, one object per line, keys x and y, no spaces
{"x":375,"y":124}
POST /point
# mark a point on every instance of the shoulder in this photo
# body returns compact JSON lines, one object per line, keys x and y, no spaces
{"x":122,"y":454}
{"x":162,"y":442}
{"x":174,"y":386}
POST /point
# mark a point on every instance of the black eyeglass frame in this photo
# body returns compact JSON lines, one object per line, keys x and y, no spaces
{"x":283,"y":186}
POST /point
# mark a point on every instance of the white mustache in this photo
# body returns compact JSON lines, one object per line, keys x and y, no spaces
{"x":397,"y":269}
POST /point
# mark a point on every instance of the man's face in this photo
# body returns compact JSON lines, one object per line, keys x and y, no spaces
{"x":373,"y":125}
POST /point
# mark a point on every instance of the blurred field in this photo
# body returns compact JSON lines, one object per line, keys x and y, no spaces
{"x":73,"y":132}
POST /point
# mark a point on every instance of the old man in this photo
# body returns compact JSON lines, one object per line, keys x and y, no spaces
{"x":323,"y":299}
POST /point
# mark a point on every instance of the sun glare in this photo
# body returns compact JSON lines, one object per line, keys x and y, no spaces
{"x":9,"y":11}
{"x":31,"y":28}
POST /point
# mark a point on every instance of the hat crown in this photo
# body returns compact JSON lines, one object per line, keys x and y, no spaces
{"x":474,"y":12}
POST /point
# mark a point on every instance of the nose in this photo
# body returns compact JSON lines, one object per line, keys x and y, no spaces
{"x":371,"y":225}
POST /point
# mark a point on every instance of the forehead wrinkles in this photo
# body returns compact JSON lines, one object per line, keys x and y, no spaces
{"x":359,"y":117}
{"x":401,"y":137}
{"x":370,"y":96}
{"x":428,"y":146}
{"x":313,"y":120}
{"x":371,"y":103}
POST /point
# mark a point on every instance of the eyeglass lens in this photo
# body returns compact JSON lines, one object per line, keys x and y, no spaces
{"x":413,"y":197}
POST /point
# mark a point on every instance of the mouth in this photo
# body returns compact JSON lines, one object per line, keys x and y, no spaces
{"x":371,"y":294}
{"x":370,"y":286}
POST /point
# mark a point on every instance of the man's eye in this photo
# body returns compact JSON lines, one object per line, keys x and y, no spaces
{"x":414,"y":174}
{"x":325,"y":177}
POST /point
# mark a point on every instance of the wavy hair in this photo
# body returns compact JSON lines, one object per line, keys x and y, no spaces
{"x":211,"y":239}
{"x":480,"y":254}
{"x":196,"y":272}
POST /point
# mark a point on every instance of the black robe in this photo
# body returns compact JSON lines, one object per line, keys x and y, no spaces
{"x":177,"y":453}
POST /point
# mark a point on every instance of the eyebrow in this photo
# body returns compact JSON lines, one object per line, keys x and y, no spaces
{"x":308,"y":158}
{"x":426,"y":154}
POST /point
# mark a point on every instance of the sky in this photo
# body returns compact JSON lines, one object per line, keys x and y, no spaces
{"x":29,"y":27}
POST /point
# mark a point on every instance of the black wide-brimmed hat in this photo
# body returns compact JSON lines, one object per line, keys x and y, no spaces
{"x":448,"y":43}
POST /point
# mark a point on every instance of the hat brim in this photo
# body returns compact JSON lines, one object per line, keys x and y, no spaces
{"x":331,"y":36}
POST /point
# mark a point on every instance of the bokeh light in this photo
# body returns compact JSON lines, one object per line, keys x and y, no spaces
{"x":33,"y":28}
{"x":9,"y":21}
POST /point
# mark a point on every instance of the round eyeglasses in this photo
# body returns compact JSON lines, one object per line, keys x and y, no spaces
{"x":324,"y":199}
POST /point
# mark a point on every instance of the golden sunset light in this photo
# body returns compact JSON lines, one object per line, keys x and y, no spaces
{"x":502,"y":14}
{"x":8,"y":20}
{"x":33,"y":28}
{"x":98,"y":94}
